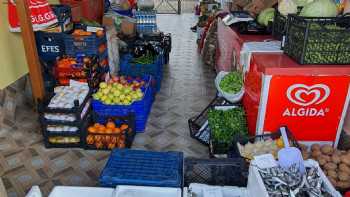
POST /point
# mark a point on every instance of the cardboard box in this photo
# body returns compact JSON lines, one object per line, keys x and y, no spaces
{"x":128,"y":27}
{"x":108,"y":21}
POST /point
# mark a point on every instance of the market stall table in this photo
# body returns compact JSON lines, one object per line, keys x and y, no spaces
{"x":230,"y":42}
{"x":310,"y":99}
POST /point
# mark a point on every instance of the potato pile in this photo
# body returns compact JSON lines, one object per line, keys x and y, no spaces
{"x":335,"y":163}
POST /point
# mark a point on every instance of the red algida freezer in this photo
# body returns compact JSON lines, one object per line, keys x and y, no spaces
{"x":311,"y":100}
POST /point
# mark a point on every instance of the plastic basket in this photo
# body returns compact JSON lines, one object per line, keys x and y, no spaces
{"x":139,"y":70}
{"x":318,"y":40}
{"x":279,"y":25}
{"x":198,"y":125}
{"x":79,"y":110}
{"x":50,"y":45}
{"x":88,"y":45}
{"x":141,"y":108}
{"x":78,"y":134}
{"x":128,"y":134}
{"x":221,"y":172}
{"x":220,"y":149}
{"x":143,"y":168}
{"x":276,"y":135}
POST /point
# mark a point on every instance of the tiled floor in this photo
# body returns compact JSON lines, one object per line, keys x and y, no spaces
{"x":187,"y":88}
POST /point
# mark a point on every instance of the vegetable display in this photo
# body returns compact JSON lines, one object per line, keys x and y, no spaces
{"x":266,"y":16}
{"x":335,"y":163}
{"x":226,"y":124}
{"x":232,"y":83}
{"x":320,"y":8}
{"x":286,"y":7}
{"x":147,"y":58}
{"x":250,"y":150}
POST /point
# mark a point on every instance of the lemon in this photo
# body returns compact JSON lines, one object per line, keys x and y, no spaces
{"x":279,"y":143}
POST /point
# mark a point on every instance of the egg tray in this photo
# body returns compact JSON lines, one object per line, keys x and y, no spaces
{"x":80,"y":133}
{"x":77,"y":110}
{"x":102,"y":119}
{"x":234,"y":151}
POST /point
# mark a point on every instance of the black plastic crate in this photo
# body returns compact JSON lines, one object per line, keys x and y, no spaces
{"x":106,"y":138}
{"x":221,"y":172}
{"x":50,"y":45}
{"x":68,"y":144}
{"x":198,"y":125}
{"x":220,"y":149}
{"x":234,"y":151}
{"x":80,"y":110}
{"x":318,"y":40}
{"x":279,"y":25}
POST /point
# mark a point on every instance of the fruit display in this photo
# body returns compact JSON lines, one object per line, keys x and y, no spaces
{"x":80,"y":68}
{"x":226,"y":124}
{"x":335,"y":163}
{"x":66,"y":95}
{"x":108,"y":136}
{"x":64,"y":140}
{"x":120,"y":91}
{"x":232,"y":83}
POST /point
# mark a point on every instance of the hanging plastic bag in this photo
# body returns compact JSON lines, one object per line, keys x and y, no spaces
{"x":40,"y":12}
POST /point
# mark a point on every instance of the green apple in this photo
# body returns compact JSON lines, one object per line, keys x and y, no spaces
{"x":103,"y":98}
{"x":103,"y":85}
{"x":119,"y":86}
{"x":105,"y":91}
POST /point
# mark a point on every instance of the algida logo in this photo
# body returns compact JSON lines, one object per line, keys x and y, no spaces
{"x":307,"y":97}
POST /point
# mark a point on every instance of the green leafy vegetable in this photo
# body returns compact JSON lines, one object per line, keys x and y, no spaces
{"x":232,"y":83}
{"x":225,"y":125}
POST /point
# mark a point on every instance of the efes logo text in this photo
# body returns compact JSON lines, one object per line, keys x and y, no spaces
{"x":307,"y":97}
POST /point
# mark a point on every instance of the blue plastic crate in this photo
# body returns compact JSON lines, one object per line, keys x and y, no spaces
{"x":87,"y":45}
{"x":143,"y":168}
{"x":50,"y":45}
{"x":138,"y":70}
{"x":141,"y":108}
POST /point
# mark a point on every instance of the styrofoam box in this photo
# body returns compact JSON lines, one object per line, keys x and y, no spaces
{"x":66,"y":191}
{"x":256,"y":184}
{"x":137,"y":191}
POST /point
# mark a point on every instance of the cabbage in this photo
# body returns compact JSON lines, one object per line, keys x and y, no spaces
{"x":286,"y":7}
{"x":320,"y":8}
{"x":302,"y":3}
{"x":265,"y":16}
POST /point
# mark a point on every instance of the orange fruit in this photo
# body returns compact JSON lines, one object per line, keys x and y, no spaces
{"x":92,"y":129}
{"x":117,"y":130}
{"x":110,"y":125}
{"x":109,"y":130}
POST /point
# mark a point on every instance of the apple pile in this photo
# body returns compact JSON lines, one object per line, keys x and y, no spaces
{"x":120,"y":90}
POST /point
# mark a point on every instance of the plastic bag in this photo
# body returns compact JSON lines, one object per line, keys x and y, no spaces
{"x":234,"y":98}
